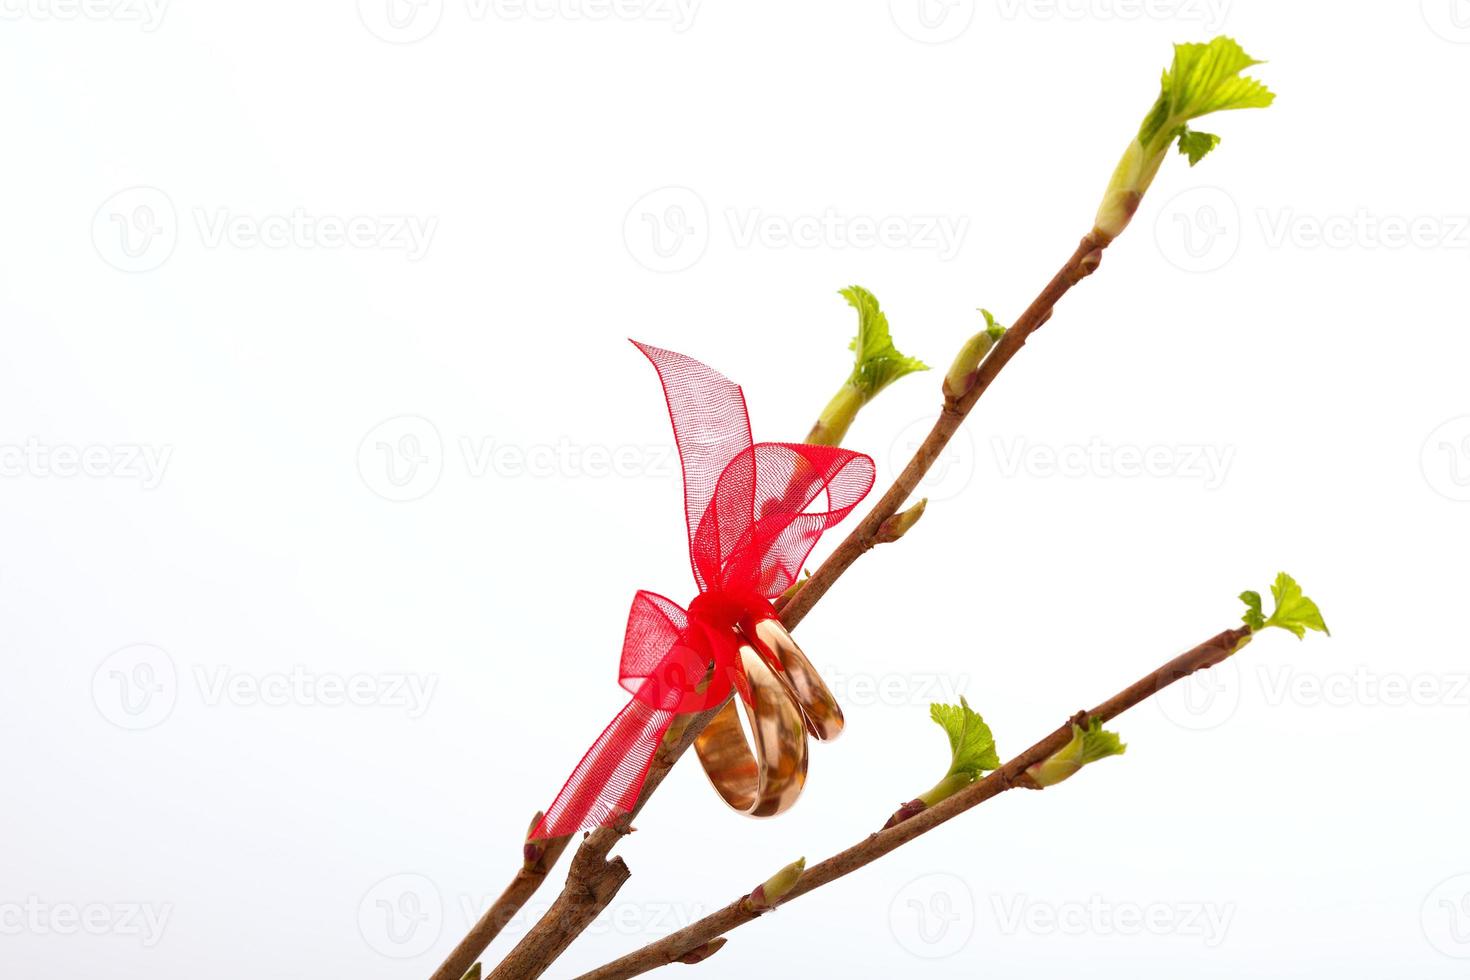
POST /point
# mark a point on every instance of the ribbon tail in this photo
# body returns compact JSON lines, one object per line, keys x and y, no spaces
{"x":607,"y":781}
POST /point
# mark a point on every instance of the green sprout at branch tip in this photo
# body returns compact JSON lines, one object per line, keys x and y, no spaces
{"x":1294,"y":612}
{"x":877,"y":363}
{"x":1204,"y":78}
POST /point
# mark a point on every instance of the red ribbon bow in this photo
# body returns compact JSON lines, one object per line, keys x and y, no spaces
{"x":749,"y":533}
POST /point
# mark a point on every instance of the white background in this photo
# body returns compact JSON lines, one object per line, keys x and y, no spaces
{"x":172,"y":608}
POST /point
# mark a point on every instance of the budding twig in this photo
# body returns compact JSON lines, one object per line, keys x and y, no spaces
{"x":738,"y":913}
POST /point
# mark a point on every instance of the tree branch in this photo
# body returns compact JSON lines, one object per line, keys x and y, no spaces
{"x":679,"y":944}
{"x":535,"y":953}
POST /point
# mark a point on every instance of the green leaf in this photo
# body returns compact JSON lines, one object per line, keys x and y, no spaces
{"x":877,"y":363}
{"x":993,"y":330}
{"x":1204,"y":78}
{"x":1253,"y":617}
{"x":971,"y":744}
{"x":1294,"y":611}
{"x":1087,"y":746}
{"x":1099,"y":744}
{"x":1195,"y":144}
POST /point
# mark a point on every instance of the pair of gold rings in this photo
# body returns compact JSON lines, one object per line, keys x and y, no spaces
{"x":783,"y":699}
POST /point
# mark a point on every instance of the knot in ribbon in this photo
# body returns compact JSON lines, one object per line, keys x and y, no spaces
{"x":751,"y":520}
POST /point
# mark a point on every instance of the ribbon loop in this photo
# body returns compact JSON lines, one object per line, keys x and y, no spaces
{"x":749,"y":512}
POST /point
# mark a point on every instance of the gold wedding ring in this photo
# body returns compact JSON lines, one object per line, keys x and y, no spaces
{"x":768,"y":781}
{"x":783,"y":699}
{"x":796,"y":673}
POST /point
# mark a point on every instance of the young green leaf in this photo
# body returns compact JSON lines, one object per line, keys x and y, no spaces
{"x":1195,"y":145}
{"x":1087,"y":746}
{"x":1294,"y":612}
{"x":877,"y":363}
{"x":1253,"y":617}
{"x":1204,"y":78}
{"x":972,"y":754}
{"x":971,"y":745}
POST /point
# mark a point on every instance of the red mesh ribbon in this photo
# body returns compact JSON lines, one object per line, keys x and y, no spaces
{"x":753,"y":512}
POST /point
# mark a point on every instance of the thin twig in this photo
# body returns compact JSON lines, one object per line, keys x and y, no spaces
{"x":537,"y":950}
{"x":678,"y":944}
